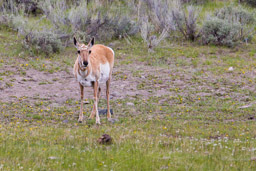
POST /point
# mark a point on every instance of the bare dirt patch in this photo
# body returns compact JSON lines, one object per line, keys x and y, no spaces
{"x":60,"y":86}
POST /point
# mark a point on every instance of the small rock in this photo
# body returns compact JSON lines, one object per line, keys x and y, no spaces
{"x":253,"y":159}
{"x":231,"y":69}
{"x":65,"y":121}
{"x":114,"y":94}
{"x":251,"y":118}
{"x":130,"y":104}
{"x":55,"y":105}
{"x":52,"y":157}
{"x":104,"y":111}
{"x":113,"y":120}
{"x":244,"y":107}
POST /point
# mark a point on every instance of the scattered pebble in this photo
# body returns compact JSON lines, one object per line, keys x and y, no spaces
{"x":65,"y":121}
{"x":52,"y":157}
{"x":231,"y":69}
{"x":130,"y":104}
{"x":246,"y":106}
{"x":113,"y":120}
{"x":253,"y":159}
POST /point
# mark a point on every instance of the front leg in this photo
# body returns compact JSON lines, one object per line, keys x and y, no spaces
{"x":96,"y":85}
{"x":81,"y":106}
{"x":93,"y":113}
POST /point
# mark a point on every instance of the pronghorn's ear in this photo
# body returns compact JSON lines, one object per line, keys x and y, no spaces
{"x":91,"y":43}
{"x":75,"y":42}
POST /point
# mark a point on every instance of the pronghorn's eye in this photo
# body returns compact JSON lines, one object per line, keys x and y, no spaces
{"x":90,"y":51}
{"x":78,"y":51}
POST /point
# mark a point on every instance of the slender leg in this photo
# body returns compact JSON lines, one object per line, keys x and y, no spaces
{"x":96,"y":86}
{"x":81,"y":107}
{"x":99,"y":94}
{"x":93,"y":113}
{"x":107,"y":92}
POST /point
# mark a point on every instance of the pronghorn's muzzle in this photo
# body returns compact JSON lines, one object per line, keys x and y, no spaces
{"x":85,"y":63}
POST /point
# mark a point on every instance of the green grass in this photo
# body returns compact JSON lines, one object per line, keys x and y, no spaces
{"x":195,"y":136}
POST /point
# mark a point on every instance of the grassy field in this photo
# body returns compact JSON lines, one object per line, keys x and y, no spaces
{"x":180,"y":108}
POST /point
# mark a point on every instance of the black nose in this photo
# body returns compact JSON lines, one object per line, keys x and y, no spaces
{"x":85,"y":63}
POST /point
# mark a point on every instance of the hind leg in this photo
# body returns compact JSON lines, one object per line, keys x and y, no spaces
{"x":107,"y":93}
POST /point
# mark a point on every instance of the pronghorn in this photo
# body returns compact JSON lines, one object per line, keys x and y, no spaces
{"x":94,"y":65}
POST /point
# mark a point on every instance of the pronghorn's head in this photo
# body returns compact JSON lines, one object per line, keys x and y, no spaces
{"x":84,"y":52}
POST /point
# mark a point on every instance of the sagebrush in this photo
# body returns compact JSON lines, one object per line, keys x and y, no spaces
{"x":220,"y":32}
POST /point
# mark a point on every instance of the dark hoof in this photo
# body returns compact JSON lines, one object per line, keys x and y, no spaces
{"x":80,"y":122}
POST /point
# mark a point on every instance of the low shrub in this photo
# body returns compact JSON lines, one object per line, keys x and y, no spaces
{"x":194,"y":1}
{"x":220,"y":32}
{"x":149,"y":36}
{"x":87,"y":21}
{"x":186,"y":21}
{"x":241,"y":16}
{"x":16,"y":6}
{"x":236,"y":14}
{"x":37,"y":40}
{"x":249,"y":2}
{"x":105,"y":27}
{"x":43,"y":41}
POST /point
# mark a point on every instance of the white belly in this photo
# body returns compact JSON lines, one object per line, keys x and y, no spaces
{"x":104,"y":72}
{"x":87,"y":81}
